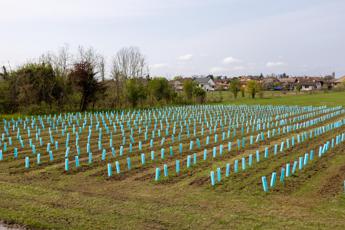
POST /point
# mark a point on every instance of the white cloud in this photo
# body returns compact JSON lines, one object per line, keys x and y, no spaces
{"x":185,"y":57}
{"x":230,"y":60}
{"x":275,"y":64}
{"x":158,"y":66}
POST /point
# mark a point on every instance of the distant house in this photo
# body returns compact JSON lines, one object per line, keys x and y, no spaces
{"x":271,"y":83}
{"x":221,"y":84}
{"x":177,"y":85}
{"x":310,"y":83}
{"x":244,"y":80}
{"x":339,"y":81}
{"x":206,"y":83}
{"x":308,"y":86}
{"x":288,"y":83}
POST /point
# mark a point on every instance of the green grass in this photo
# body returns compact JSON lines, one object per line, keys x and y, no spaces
{"x":10,"y":116}
{"x":278,"y":98}
{"x":53,"y":200}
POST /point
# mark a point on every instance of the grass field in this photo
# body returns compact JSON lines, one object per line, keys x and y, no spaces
{"x":278,"y":98}
{"x":47,"y":197}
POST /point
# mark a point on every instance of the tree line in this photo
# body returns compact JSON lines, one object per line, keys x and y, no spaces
{"x":252,"y":87}
{"x":62,"y":81}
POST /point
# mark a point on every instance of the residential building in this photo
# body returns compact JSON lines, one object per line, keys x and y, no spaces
{"x":221,"y":84}
{"x":177,"y":85}
{"x":205,"y":83}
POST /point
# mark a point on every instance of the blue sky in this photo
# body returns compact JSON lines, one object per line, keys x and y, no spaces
{"x":228,"y":37}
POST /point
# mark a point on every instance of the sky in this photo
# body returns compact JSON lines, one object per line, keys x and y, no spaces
{"x":180,"y":37}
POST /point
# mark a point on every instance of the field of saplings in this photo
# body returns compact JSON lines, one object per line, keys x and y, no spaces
{"x":262,"y":151}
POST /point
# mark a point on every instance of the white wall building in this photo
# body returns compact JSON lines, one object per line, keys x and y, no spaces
{"x":206,"y":83}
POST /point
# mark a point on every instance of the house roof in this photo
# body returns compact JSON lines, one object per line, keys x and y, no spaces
{"x":308,"y":83}
{"x":202,"y":80}
{"x":269,"y":79}
{"x":287,"y":80}
{"x":221,"y":81}
{"x":340,"y":80}
{"x":309,"y":80}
